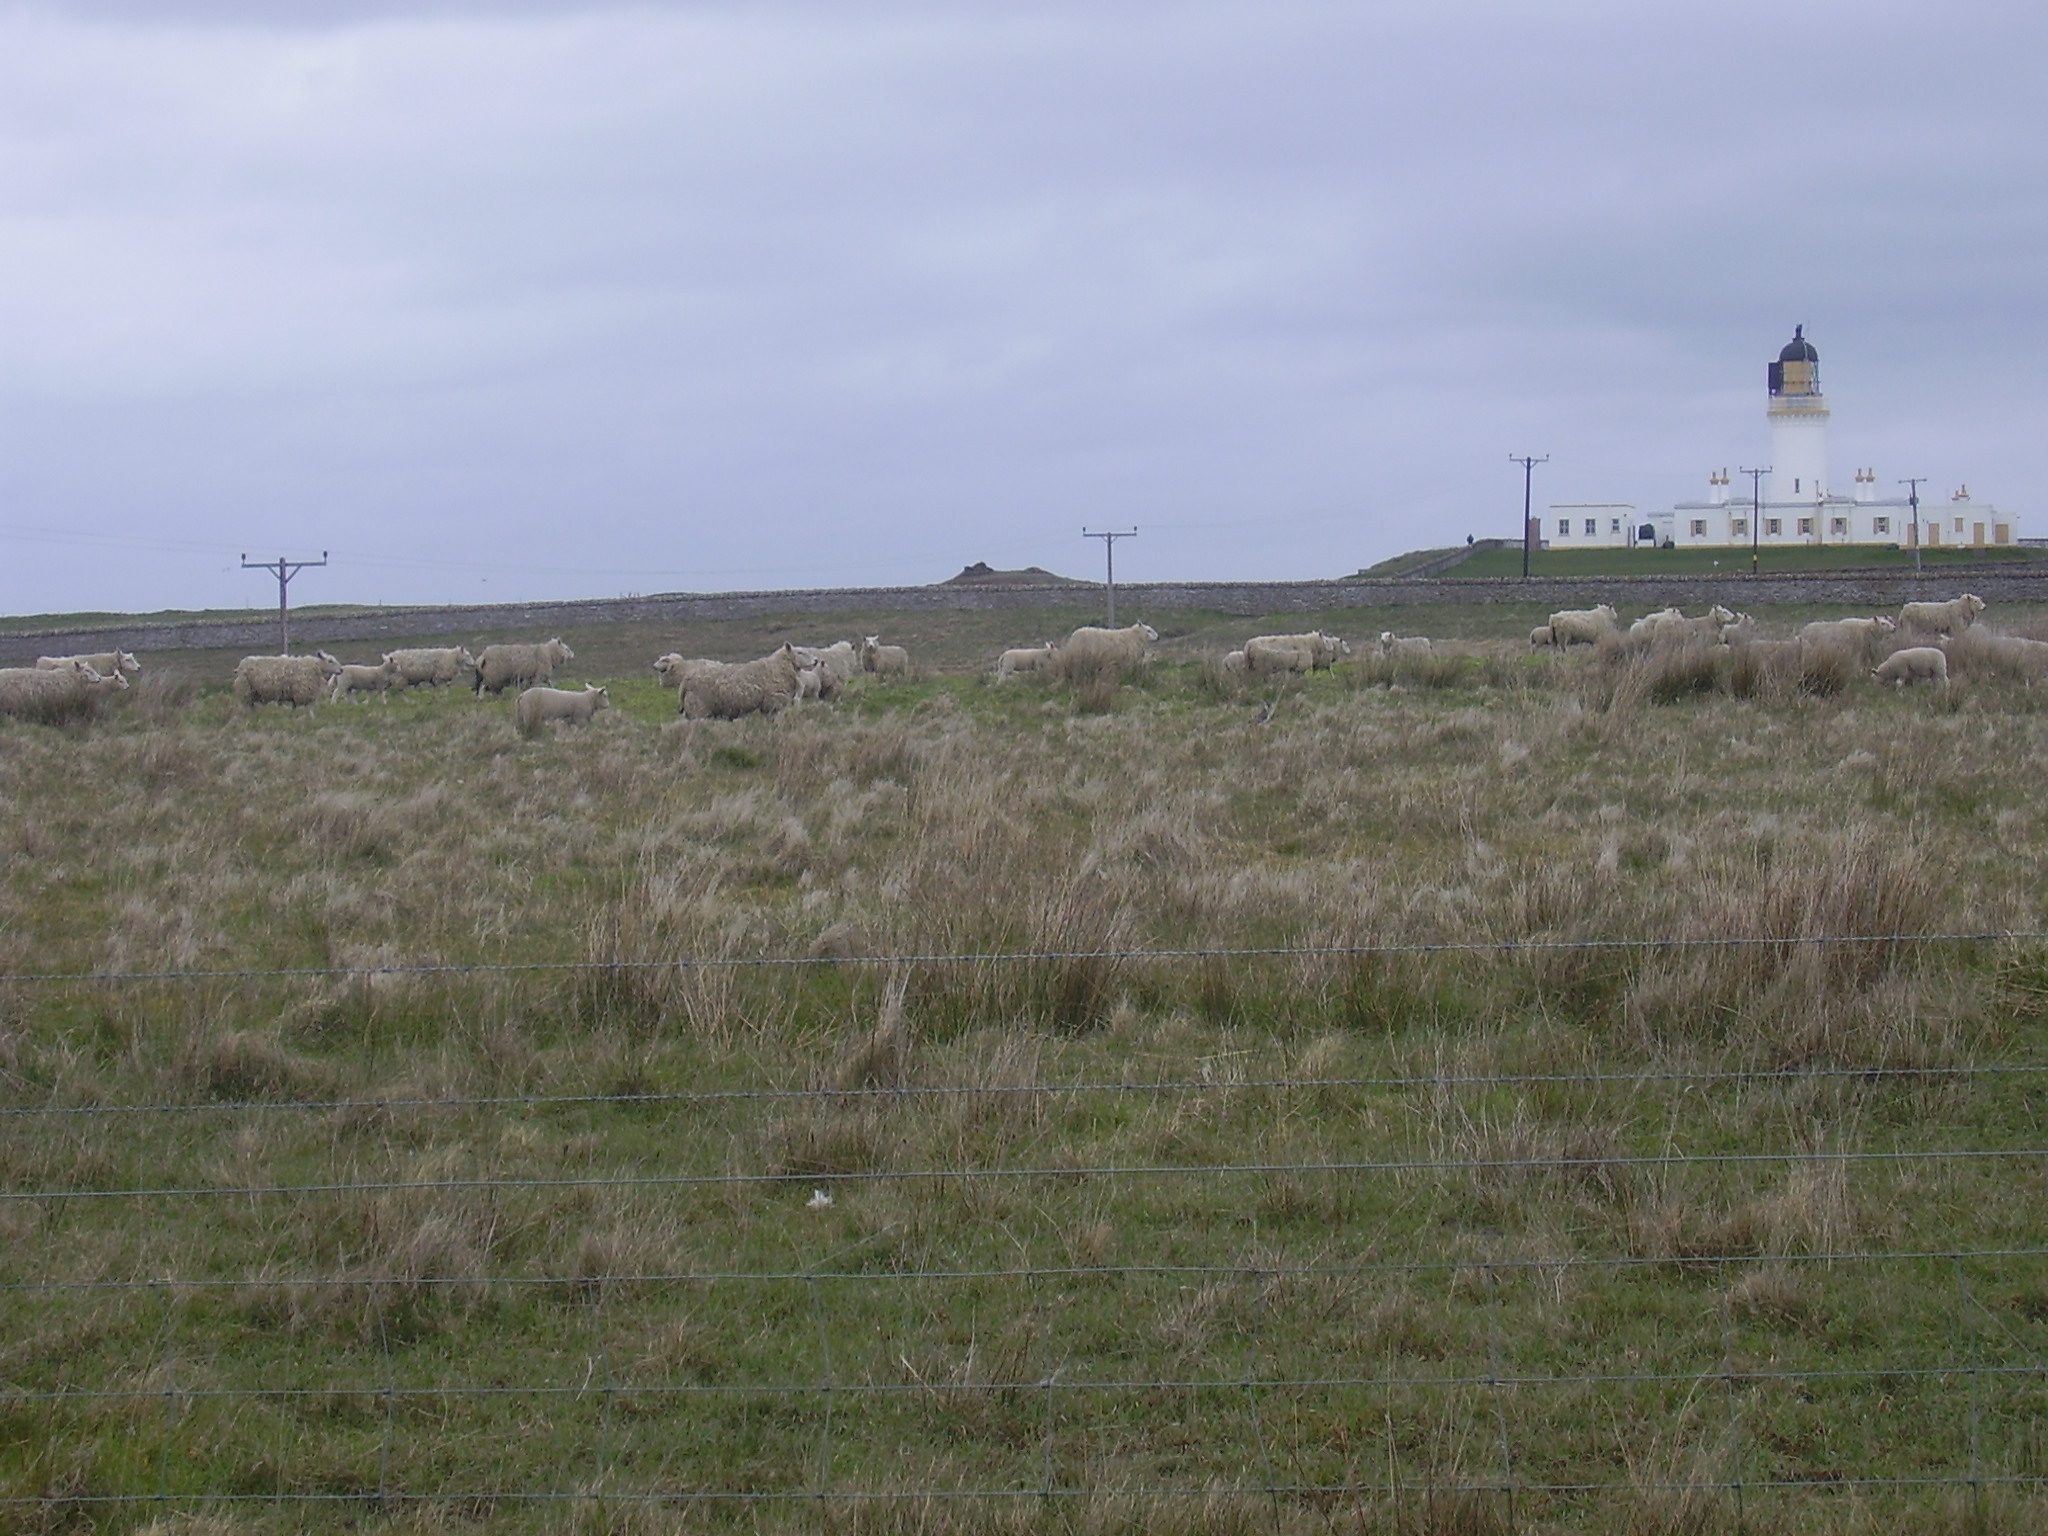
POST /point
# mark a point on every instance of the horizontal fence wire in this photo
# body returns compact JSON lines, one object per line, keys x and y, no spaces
{"x":2003,"y":1388}
{"x":1388,"y":1083}
{"x":1021,"y":957}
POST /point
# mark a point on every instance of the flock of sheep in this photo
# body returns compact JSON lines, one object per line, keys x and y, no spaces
{"x":1908,"y":649}
{"x":1865,"y":638}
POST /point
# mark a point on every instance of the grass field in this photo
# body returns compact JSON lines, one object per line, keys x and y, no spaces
{"x":1424,"y":1099}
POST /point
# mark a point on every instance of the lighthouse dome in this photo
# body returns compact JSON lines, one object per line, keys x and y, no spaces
{"x":1799,"y":349}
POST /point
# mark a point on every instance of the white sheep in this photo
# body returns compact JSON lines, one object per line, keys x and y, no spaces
{"x":1026,"y":658}
{"x":293,"y":680}
{"x":1859,"y":636}
{"x":836,"y":665}
{"x":1650,"y":623}
{"x":54,"y":695}
{"x":105,"y":663}
{"x":1541,"y":636}
{"x":810,"y":682}
{"x":884,"y":660}
{"x":535,"y":707}
{"x":674,"y":669}
{"x":431,"y":666}
{"x":505,"y":666}
{"x":1091,"y":646}
{"x":1404,"y":647}
{"x":1235,"y":663}
{"x":1311,"y":652}
{"x":1957,"y":613}
{"x":1583,"y":626}
{"x":352,"y":679}
{"x":725,"y":691}
{"x":1914,"y":664}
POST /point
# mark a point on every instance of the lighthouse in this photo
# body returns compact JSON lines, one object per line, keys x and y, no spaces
{"x":1799,"y":425}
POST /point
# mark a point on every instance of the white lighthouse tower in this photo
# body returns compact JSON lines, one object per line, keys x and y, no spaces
{"x":1799,"y":426}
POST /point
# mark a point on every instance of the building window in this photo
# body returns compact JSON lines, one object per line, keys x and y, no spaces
{"x":1806,"y":527}
{"x":1959,"y":525}
{"x":1615,"y":527}
{"x":1839,"y":527}
{"x":1738,"y":528}
{"x":1774,"y":526}
{"x":1591,"y":523}
{"x":1880,"y":525}
{"x":1699,"y":527}
{"x":1564,"y":527}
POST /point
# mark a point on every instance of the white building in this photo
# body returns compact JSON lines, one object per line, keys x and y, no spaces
{"x":1790,"y":499}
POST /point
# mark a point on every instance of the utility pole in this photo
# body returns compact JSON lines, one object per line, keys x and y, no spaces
{"x":1528,"y":463}
{"x":1756,"y":511}
{"x":1109,"y":554}
{"x":1915,"y":481}
{"x":285,"y":571}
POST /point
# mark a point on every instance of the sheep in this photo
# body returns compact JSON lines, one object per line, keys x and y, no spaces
{"x":431,"y":665}
{"x":1914,"y":664}
{"x":1314,"y":651}
{"x":726,"y":691}
{"x":1404,"y":647}
{"x":1235,"y":663}
{"x":535,"y":707}
{"x":2001,"y":655}
{"x":1858,"y":636}
{"x":836,"y":664}
{"x":1029,"y":658}
{"x":1650,"y":623}
{"x":1583,"y":626}
{"x":675,"y":669}
{"x":810,"y":682}
{"x":504,"y":666}
{"x":1091,"y":647}
{"x":1541,"y":636}
{"x":884,"y":660}
{"x":1670,"y":626}
{"x":379,"y":680}
{"x":1957,"y":613}
{"x":105,"y":663}
{"x":54,"y":695}
{"x":292,"y":680}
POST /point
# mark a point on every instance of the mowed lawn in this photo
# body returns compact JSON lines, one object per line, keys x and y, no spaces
{"x":1589,"y":1092}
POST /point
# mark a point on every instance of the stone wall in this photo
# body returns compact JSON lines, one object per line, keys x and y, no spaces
{"x":1870,"y":591}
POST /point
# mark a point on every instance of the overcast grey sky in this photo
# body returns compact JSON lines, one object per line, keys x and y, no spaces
{"x":514,"y":300}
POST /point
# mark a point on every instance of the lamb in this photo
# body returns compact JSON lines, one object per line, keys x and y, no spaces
{"x":1860,"y":637}
{"x":1029,"y":658}
{"x":293,"y":680}
{"x":1914,"y":664}
{"x":431,"y":665}
{"x":379,"y":680}
{"x":1958,"y":613}
{"x":725,"y":691}
{"x":54,"y":695}
{"x":1542,"y":635}
{"x":1235,"y":663}
{"x":810,"y":682}
{"x":105,"y":663}
{"x":1583,"y":626}
{"x":535,"y":707}
{"x":1091,"y":646}
{"x":505,"y":666}
{"x":1404,"y":647}
{"x":884,"y":660}
{"x":836,"y":664}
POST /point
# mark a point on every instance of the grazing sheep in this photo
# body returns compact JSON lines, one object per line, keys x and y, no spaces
{"x":1583,"y":626}
{"x":1029,"y":658}
{"x":506,"y":666}
{"x":836,"y":664}
{"x":105,"y":663}
{"x":1860,"y":637}
{"x":1957,"y":613}
{"x":1542,"y":635}
{"x":1650,"y":623}
{"x":1311,"y":652}
{"x":535,"y":707}
{"x":379,"y":680}
{"x":54,"y":695}
{"x":292,"y":680}
{"x":431,"y":665}
{"x":1915,"y":664}
{"x":1091,"y":646}
{"x":725,"y":691}
{"x":1670,"y":626}
{"x":884,"y":660}
{"x":1235,"y":663}
{"x":1404,"y":647}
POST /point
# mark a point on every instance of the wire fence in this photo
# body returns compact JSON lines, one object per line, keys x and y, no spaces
{"x":1232,"y":1299}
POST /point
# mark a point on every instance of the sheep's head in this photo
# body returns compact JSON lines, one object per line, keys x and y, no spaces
{"x":1886,"y":626}
{"x":329,"y":667}
{"x":1148,"y":632}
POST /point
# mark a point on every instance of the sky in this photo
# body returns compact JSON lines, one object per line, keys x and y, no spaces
{"x":504,"y":300}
